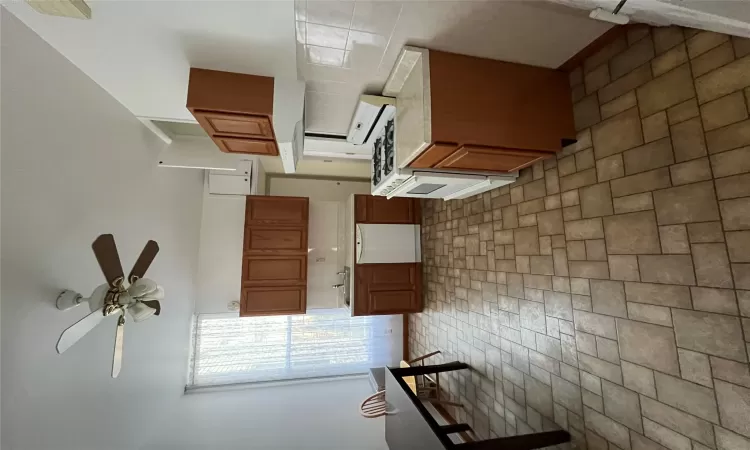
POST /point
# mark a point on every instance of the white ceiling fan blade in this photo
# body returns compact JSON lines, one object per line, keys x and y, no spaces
{"x":117,"y":358}
{"x":79,"y":330}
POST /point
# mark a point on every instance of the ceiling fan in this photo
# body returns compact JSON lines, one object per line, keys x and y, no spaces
{"x":140,"y":299}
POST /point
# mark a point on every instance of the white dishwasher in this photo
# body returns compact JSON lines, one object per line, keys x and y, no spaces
{"x":388,"y":243}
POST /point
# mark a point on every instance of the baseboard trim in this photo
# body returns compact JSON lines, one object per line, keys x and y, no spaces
{"x":406,"y":337}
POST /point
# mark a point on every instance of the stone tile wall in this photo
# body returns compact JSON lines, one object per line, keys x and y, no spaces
{"x":607,"y":291}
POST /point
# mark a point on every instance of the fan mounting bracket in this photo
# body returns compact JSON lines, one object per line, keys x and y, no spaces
{"x":68,"y":299}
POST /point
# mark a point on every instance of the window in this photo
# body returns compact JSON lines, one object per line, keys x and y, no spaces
{"x":231,"y":349}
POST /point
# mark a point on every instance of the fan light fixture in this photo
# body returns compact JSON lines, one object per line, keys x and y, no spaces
{"x":140,"y":311}
{"x":141,"y":299}
{"x":76,"y":9}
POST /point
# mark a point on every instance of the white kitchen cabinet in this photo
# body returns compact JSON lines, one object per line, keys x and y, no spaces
{"x":238,"y":182}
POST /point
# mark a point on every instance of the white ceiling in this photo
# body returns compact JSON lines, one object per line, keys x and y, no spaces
{"x":141,"y":51}
{"x":346,"y":48}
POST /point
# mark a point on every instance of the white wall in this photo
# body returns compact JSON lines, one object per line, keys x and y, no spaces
{"x":322,"y":193}
{"x":219,"y":277}
{"x":327,"y":197}
{"x":76,"y":163}
{"x":222,"y":230}
{"x":319,"y":416}
{"x":306,"y":416}
{"x":261,"y":178}
{"x":317,"y":189}
{"x":320,"y":167}
{"x":141,"y":51}
{"x":323,"y":254}
{"x":197,"y":152}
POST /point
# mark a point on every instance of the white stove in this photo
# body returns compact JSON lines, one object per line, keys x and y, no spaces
{"x":389,"y":180}
{"x":385,"y":175}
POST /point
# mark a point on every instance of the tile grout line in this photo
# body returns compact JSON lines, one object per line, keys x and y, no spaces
{"x":669,"y":127}
{"x":718,"y":203}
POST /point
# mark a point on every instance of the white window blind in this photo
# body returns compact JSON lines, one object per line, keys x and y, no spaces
{"x":231,"y":349}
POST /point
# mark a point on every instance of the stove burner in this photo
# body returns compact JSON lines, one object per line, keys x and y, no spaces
{"x":390,"y":147}
{"x":388,"y":166}
{"x":376,"y":162}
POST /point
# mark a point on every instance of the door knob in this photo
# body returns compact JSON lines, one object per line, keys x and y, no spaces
{"x":336,"y":286}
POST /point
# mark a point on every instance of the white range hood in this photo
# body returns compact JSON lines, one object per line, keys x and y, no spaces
{"x":334,"y":146}
{"x":288,"y":107}
{"x":195,"y":152}
{"x":188,"y":146}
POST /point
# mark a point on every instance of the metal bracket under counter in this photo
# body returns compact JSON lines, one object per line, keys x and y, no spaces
{"x":346,"y":284}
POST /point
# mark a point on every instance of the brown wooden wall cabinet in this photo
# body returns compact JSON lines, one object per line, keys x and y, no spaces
{"x":471,"y":157}
{"x":234,"y":109}
{"x":280,"y":239}
{"x":485,"y":115}
{"x":394,"y":288}
{"x":274,"y":270}
{"x":377,"y":209}
{"x":274,"y":261}
{"x":266,"y":209}
{"x":273,"y":300}
{"x":387,"y":288}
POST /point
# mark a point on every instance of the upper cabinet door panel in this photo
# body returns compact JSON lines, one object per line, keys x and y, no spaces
{"x":263,"y":209}
{"x":273,"y":300}
{"x":261,"y":239}
{"x":247,"y":146}
{"x":433,"y":155}
{"x":491,"y":159}
{"x":234,"y":109}
{"x":360,"y":208}
{"x":387,"y":289}
{"x":498,"y":104}
{"x":238,"y":125}
{"x":274,"y":270}
{"x":212,"y":90}
{"x":395,"y":210}
{"x":391,"y":274}
{"x":393,"y":302}
{"x":376,"y":209}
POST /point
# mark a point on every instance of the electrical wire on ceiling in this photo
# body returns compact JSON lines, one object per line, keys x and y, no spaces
{"x":612,"y":17}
